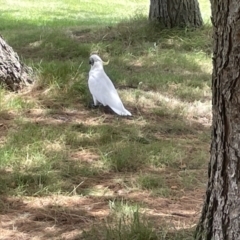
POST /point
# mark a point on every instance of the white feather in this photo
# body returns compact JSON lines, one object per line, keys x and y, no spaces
{"x":102,"y":88}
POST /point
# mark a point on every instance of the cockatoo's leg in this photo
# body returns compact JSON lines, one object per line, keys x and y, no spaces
{"x":95,"y":101}
{"x":94,"y":104}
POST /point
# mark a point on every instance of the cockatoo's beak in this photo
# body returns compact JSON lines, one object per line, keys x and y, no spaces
{"x":105,"y":63}
{"x":91,"y":61}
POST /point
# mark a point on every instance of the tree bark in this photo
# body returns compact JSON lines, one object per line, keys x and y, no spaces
{"x":176,"y":13}
{"x":220,"y":217}
{"x":13,"y":74}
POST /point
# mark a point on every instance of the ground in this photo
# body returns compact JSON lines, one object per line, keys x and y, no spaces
{"x":66,"y":216}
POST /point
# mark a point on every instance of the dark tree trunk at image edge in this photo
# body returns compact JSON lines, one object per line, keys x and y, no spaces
{"x":176,"y":13}
{"x":13,"y":74}
{"x":220,"y":217}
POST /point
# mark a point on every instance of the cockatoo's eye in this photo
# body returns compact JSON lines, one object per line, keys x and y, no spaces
{"x":91,"y":61}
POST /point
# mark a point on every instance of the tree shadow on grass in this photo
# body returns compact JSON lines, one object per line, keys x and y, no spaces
{"x":59,"y":150}
{"x":75,"y":174}
{"x":72,"y":218}
{"x":49,"y":217}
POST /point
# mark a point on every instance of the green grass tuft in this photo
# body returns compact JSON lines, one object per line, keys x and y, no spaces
{"x":129,"y":225}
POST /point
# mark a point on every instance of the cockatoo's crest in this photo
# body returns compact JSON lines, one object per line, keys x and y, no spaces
{"x":95,"y":59}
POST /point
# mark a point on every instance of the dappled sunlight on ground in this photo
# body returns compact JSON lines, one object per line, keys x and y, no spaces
{"x":87,"y":201}
{"x":66,"y":217}
{"x":49,"y":217}
{"x":148,"y":102}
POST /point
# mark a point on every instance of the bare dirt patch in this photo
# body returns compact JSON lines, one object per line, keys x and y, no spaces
{"x":62,"y":217}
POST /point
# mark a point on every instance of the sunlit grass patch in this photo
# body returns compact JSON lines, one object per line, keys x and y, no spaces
{"x":174,"y":73}
{"x":173,"y":108}
{"x":205,"y":8}
{"x":132,"y":156}
{"x":13,"y":101}
{"x":30,"y":151}
{"x":71,"y":13}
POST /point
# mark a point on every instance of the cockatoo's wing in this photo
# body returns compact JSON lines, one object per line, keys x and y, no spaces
{"x":103,"y":90}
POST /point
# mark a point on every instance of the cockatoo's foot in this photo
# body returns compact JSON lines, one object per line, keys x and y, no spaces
{"x":92,"y":105}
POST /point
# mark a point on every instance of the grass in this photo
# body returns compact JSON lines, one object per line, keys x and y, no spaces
{"x":66,"y":164}
{"x":130,"y":226}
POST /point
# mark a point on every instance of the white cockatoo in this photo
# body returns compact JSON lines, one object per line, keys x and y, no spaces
{"x":102,"y":88}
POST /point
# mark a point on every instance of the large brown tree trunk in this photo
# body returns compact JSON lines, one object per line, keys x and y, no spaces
{"x":220,"y":219}
{"x":13,"y":73}
{"x":176,"y":13}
